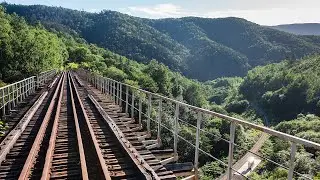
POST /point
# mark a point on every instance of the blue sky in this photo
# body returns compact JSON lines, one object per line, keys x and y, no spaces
{"x":265,"y":12}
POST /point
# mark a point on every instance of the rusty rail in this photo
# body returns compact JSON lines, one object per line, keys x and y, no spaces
{"x":102,"y":163}
{"x":50,"y":151}
{"x":145,"y":169}
{"x":36,"y":144}
{"x":79,"y":138}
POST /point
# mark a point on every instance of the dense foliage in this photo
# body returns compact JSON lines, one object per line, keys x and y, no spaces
{"x":27,"y":50}
{"x":200,"y":48}
{"x":286,"y":89}
{"x":307,"y":161}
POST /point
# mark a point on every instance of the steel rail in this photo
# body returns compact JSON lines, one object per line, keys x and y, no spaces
{"x":50,"y":150}
{"x":99,"y":153}
{"x":36,"y":144}
{"x":14,"y":134}
{"x":79,"y":138}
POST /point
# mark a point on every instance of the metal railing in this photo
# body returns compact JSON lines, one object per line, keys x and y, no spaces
{"x":129,"y":96}
{"x":43,"y":77}
{"x":12,"y":94}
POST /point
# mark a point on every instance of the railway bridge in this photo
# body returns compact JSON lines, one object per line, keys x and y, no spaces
{"x":79,"y":125}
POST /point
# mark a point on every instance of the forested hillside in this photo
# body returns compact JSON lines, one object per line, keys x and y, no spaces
{"x":285,"y":89}
{"x":26,"y":50}
{"x":287,"y":92}
{"x":300,"y":29}
{"x":198,"y":47}
{"x":154,"y":76}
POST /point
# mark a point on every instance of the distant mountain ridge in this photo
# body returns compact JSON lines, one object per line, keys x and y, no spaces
{"x":300,"y":29}
{"x":200,"y":48}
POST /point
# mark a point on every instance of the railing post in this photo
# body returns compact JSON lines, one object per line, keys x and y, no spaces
{"x":118,"y":93}
{"x":132,"y":105}
{"x":114,"y":92}
{"x":29,"y":80}
{"x":105,"y":85}
{"x":27,"y":87}
{"x":120,"y":89}
{"x":16,"y":94}
{"x":45,"y":77}
{"x":38,"y":79}
{"x":127,"y":98}
{"x":24,"y":89}
{"x":111,"y":89}
{"x":159,"y":121}
{"x":108,"y":86}
{"x":34,"y":84}
{"x":231,"y":146}
{"x":30,"y":86}
{"x":98,"y":83}
{"x":149,"y":113}
{"x":196,"y":154}
{"x":175,"y":137}
{"x":20,"y":91}
{"x":14,"y":87}
{"x":102,"y":81}
{"x":140,"y":109}
{"x":292,"y":158}
{"x":9,"y":99}
{"x":3,"y":103}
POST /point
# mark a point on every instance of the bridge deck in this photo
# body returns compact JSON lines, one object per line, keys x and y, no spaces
{"x":64,"y":130}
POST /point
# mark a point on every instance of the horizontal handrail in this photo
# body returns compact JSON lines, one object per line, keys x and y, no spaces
{"x":116,"y":89}
{"x":9,"y":85}
{"x":232,"y":119}
{"x":12,"y":94}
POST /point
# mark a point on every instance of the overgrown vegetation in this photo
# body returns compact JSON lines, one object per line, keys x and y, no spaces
{"x":307,"y":161}
{"x":272,"y":93}
{"x":26,"y":50}
{"x":201,"y":48}
{"x":286,"y":89}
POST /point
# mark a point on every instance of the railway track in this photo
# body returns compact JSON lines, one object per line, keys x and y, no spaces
{"x":68,"y":135}
{"x":16,"y":144}
{"x":127,"y":130}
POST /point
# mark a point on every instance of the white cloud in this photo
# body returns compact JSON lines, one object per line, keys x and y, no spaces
{"x":268,"y":16}
{"x":272,"y":16}
{"x":157,"y":11}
